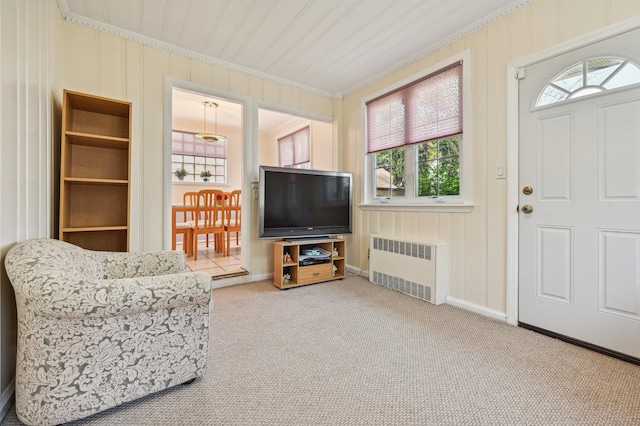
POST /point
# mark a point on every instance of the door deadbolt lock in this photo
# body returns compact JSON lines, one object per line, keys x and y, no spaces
{"x":527,"y":209}
{"x":527,"y":190}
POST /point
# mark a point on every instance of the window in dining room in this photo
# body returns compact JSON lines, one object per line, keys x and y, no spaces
{"x":197,"y":161}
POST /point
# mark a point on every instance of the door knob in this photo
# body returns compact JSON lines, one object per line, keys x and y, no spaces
{"x":527,"y":209}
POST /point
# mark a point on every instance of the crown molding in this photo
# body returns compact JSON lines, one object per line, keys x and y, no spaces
{"x":148,"y":41}
{"x":510,"y":8}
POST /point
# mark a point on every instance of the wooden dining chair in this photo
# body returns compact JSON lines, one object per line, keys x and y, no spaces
{"x":233,"y":218}
{"x":186,"y":226}
{"x":209,"y":219}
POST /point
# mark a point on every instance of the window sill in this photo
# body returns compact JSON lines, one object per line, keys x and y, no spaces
{"x":439,"y":208}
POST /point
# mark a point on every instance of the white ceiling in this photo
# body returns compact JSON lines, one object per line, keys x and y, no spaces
{"x":331,"y":47}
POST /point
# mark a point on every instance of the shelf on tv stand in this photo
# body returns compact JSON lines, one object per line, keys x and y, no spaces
{"x":308,"y":274}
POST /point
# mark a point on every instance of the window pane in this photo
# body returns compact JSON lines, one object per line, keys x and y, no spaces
{"x":390,"y":176}
{"x":449,"y":177}
{"x":571,"y":78}
{"x":551,"y":95}
{"x":438,"y":165}
{"x":427,"y":179}
{"x":598,"y":69}
{"x":629,"y":74}
{"x":449,"y":147}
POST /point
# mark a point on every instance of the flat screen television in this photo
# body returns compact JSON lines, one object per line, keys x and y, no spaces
{"x":303,"y":203}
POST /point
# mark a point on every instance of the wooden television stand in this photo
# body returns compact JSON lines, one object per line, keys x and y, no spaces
{"x":286,"y":257}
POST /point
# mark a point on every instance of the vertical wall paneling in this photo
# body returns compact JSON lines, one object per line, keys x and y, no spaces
{"x":134,"y":94}
{"x":113,"y":57}
{"x":621,"y":9}
{"x":81,"y":46}
{"x":476,"y":222}
{"x":221,"y":78}
{"x":27,"y":79}
{"x":496,"y":156}
{"x":202,"y":73}
{"x":544,"y":18}
{"x":155,"y":68}
{"x":581,"y":17}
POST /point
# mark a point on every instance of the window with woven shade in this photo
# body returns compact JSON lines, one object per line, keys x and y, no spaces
{"x":414,"y":139}
{"x":195,"y":158}
{"x":293,"y":149}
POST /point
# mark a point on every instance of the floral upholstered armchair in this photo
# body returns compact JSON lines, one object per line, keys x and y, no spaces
{"x":98,"y":329}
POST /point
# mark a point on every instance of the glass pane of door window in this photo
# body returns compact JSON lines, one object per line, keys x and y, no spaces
{"x":589,"y":77}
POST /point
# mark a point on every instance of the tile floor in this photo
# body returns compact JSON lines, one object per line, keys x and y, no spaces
{"x":215,"y":263}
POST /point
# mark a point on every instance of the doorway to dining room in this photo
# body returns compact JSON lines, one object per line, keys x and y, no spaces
{"x":207,"y":154}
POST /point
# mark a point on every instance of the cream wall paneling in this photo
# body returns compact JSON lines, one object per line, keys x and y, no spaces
{"x":29,"y":129}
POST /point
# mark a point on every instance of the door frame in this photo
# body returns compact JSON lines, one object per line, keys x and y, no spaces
{"x":248,"y":149}
{"x":514,"y":71}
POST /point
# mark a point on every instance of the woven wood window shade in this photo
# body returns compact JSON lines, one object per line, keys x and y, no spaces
{"x":186,"y":144}
{"x":427,"y":109}
{"x":294,"y":148}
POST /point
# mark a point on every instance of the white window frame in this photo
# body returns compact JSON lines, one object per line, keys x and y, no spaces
{"x":410,"y":202}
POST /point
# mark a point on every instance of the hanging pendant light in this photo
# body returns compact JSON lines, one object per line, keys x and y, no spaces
{"x":211,"y":137}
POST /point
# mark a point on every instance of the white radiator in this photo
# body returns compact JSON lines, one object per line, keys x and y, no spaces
{"x":417,"y":268}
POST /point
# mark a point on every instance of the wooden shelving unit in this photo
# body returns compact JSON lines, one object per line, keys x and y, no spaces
{"x":310,"y":274}
{"x":95,"y":172}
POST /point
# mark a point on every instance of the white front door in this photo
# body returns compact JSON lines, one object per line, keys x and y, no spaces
{"x":579,"y":242}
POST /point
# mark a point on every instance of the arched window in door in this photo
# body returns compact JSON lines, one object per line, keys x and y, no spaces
{"x":589,"y":77}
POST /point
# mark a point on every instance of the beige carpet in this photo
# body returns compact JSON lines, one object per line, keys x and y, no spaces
{"x":353,"y":353}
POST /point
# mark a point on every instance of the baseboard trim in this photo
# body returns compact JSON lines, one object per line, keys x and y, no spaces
{"x":458,"y":303}
{"x":583,"y":344}
{"x":478,"y":309}
{"x":357,"y":271}
{"x":6,"y":400}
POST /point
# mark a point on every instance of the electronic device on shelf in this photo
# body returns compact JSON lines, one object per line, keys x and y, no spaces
{"x":314,"y":256}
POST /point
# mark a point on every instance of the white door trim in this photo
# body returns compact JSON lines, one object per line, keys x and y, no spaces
{"x":249,"y":146}
{"x":513,"y":143}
